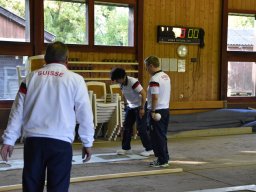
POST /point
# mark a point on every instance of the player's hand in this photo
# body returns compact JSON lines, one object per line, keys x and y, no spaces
{"x":86,"y":154}
{"x":141,"y":112}
{"x":6,"y":151}
{"x":153,"y":115}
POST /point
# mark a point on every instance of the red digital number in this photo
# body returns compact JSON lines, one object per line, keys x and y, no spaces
{"x":183,"y":33}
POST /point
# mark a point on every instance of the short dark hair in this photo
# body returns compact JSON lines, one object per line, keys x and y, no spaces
{"x":56,"y":52}
{"x":153,"y":60}
{"x":117,"y":73}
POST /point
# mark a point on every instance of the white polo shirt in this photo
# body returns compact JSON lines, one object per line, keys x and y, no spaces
{"x":49,"y":103}
{"x":159,"y":84}
{"x":131,"y":91}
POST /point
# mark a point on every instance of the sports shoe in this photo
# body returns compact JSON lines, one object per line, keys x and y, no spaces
{"x":147,"y":153}
{"x":123,"y":152}
{"x":157,"y":164}
{"x":153,"y":163}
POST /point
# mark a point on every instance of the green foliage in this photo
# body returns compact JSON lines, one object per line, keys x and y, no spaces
{"x":15,"y":6}
{"x":66,"y":21}
{"x":241,"y":22}
{"x":111,"y":26}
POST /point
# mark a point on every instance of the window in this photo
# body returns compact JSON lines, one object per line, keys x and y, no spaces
{"x":241,"y":37}
{"x":65,"y":21}
{"x":85,"y":25}
{"x":9,"y":82}
{"x":14,"y":20}
{"x":241,"y":32}
{"x":113,"y":25}
{"x":238,"y":55}
{"x":241,"y":79}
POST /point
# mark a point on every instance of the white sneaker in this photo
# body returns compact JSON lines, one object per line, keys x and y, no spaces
{"x":157,"y":164}
{"x":123,"y":152}
{"x":147,"y":153}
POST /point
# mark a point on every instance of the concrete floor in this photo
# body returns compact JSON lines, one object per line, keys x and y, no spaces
{"x":207,"y":162}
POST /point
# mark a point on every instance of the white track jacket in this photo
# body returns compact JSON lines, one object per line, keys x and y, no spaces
{"x":48,"y":104}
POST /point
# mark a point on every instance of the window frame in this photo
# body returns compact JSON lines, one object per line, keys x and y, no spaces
{"x":20,"y":48}
{"x":90,"y":22}
{"x":232,"y":56}
{"x":36,"y":46}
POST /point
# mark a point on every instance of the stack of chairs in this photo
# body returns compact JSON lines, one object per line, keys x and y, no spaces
{"x":105,"y":110}
{"x":34,"y":62}
{"x":115,"y":89}
{"x":98,"y":88}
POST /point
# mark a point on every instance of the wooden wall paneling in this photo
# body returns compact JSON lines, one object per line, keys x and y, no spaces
{"x":199,"y":73}
{"x":169,"y":19}
{"x":203,"y":13}
{"x":209,"y":64}
{"x":149,"y":26}
{"x":244,"y":4}
{"x":158,"y":48}
{"x":202,"y":72}
{"x":206,"y":53}
{"x":150,"y":22}
{"x":248,"y":3}
{"x":190,"y":9}
{"x":241,"y":4}
{"x":197,"y":19}
{"x":230,"y":3}
{"x":185,"y":22}
{"x":174,"y":86}
{"x":178,"y":80}
{"x":252,"y":5}
{"x":160,"y":19}
{"x":140,"y":34}
{"x":238,"y":3}
{"x":192,"y":13}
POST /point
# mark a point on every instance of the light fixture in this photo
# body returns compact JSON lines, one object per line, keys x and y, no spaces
{"x":182,"y":51}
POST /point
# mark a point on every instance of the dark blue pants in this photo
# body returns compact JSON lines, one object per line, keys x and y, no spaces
{"x":132,"y":115}
{"x":158,"y":133}
{"x":41,"y":154}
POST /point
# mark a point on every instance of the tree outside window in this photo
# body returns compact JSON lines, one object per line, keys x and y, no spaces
{"x":112,"y":25}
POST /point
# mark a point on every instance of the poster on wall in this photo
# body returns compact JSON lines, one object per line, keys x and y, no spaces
{"x":173,"y":64}
{"x":181,"y":65}
{"x":165,"y":64}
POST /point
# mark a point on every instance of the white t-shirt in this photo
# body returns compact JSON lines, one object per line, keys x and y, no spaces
{"x":131,"y":91}
{"x":159,"y":84}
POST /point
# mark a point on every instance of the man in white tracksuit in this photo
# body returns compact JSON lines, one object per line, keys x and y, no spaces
{"x":48,"y":104}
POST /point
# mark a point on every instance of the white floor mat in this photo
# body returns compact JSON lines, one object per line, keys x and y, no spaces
{"x":77,"y":159}
{"x":244,"y":188}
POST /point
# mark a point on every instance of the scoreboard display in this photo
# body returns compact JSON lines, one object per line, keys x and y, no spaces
{"x":184,"y":35}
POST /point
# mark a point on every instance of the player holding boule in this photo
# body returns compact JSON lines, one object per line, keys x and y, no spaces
{"x":158,"y":98}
